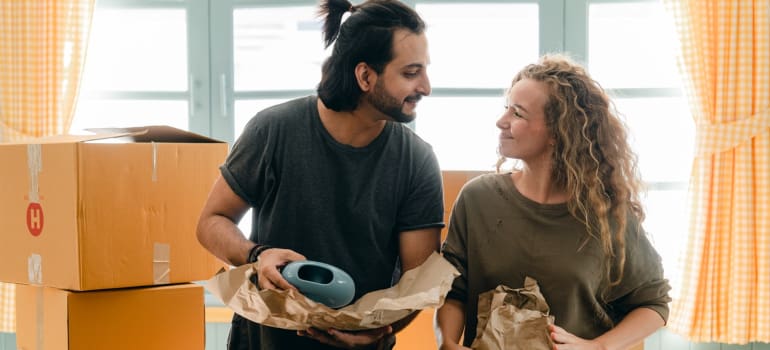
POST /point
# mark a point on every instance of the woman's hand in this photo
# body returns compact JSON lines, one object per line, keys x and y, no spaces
{"x":450,"y":346}
{"x":567,"y":341}
{"x":348,"y":340}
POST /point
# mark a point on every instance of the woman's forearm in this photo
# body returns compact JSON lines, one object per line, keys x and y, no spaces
{"x":449,"y":322}
{"x":637,"y":325}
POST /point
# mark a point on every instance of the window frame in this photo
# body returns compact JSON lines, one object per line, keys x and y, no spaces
{"x":210,"y":94}
{"x":198,"y":62}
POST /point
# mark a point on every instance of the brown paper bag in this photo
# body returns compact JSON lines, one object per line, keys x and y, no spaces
{"x":513,"y":319}
{"x":425,"y":286}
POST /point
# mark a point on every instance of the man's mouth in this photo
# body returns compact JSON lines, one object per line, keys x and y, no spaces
{"x":413,"y":99}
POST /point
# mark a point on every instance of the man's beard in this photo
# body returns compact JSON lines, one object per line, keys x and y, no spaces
{"x":389,"y":105}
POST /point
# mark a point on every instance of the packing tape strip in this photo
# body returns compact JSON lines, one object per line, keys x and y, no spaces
{"x":35,"y":269}
{"x":160,"y":263}
{"x":39,"y":313}
{"x":35,"y":165}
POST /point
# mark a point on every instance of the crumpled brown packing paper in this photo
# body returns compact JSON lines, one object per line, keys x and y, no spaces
{"x":422,"y":287}
{"x":513,"y":319}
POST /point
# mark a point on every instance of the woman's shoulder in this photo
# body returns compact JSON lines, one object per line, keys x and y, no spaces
{"x":486,"y":182}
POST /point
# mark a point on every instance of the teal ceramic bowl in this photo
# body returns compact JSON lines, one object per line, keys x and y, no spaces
{"x":321,"y":282}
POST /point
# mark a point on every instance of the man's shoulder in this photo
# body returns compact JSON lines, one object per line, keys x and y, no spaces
{"x":293,"y":107}
{"x":413,"y":140}
{"x":281,"y":116}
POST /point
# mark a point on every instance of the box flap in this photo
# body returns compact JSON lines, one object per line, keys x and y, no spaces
{"x":152,"y":133}
{"x":68,"y":138}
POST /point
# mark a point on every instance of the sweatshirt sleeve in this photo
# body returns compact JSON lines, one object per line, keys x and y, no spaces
{"x":454,"y":249}
{"x":643,"y":283}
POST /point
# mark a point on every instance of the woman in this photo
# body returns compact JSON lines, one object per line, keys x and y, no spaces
{"x":568,"y":216}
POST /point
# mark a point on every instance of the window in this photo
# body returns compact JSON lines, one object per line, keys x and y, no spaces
{"x":277,"y":54}
{"x":210,"y":65}
{"x":631,"y":52}
{"x":475,"y":51}
{"x":147,"y":63}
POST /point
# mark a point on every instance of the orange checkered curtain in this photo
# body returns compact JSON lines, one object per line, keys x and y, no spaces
{"x":42,"y":46}
{"x":725,"y":291}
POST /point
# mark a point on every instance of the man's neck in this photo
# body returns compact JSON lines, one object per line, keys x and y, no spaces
{"x":356,"y":128}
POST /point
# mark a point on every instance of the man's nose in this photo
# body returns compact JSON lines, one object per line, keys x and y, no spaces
{"x":424,"y":87}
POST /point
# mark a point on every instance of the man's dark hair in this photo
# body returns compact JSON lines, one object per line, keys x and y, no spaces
{"x":366,"y":36}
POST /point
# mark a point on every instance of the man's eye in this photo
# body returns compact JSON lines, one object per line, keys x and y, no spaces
{"x":410,"y":74}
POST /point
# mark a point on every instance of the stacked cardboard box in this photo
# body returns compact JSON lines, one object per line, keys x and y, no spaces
{"x":97,"y":228}
{"x":164,"y":317}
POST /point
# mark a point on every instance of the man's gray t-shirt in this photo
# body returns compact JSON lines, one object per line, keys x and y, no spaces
{"x":331,"y":202}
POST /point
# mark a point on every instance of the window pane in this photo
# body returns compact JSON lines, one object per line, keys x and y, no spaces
{"x":662,"y":134}
{"x":461,"y":130}
{"x":277,"y":48}
{"x":124,"y":113}
{"x":479,"y":45}
{"x":632,"y":45}
{"x":666,"y":223}
{"x":137,"y":49}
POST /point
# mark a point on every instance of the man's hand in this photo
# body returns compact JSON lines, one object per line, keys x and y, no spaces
{"x":268,"y":267}
{"x":348,"y":340}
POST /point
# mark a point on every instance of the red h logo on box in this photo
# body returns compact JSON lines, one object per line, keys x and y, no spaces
{"x":35,"y":219}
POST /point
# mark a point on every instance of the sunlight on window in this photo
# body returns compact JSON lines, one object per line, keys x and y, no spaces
{"x":662,"y":135}
{"x":134,"y":50}
{"x":125,"y":113}
{"x":461,"y":130}
{"x":277,"y":48}
{"x":666,"y":225}
{"x":137,"y":49}
{"x":632,"y":45}
{"x":479,"y":45}
{"x":476,"y":48}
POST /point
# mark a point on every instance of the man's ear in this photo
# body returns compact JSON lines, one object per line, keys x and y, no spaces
{"x":365,"y":76}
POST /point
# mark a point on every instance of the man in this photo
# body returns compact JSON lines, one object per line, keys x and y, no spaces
{"x":336,"y":178}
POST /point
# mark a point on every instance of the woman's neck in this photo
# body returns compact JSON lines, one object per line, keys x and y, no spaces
{"x":538,"y":186}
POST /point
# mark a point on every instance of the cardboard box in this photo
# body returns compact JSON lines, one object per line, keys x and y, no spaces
{"x":165,"y":317}
{"x":112,"y":210}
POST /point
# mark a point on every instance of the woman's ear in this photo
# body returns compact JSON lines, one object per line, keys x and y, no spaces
{"x":365,"y":76}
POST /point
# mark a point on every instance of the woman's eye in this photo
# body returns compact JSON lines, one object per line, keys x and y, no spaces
{"x":513,"y":109}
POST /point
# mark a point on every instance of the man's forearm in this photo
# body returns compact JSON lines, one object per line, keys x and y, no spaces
{"x":221,"y":237}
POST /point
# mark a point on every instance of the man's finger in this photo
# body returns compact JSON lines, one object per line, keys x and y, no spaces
{"x":323,"y":337}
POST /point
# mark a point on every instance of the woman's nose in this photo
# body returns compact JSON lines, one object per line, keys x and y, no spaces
{"x":502,"y":122}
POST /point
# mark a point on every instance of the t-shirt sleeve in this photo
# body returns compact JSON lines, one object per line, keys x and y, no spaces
{"x":643,"y":283}
{"x":454,"y":249}
{"x":246,"y":168}
{"x":424,"y":205}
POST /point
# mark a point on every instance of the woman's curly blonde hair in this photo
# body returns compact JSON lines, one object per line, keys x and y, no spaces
{"x":591,"y":159}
